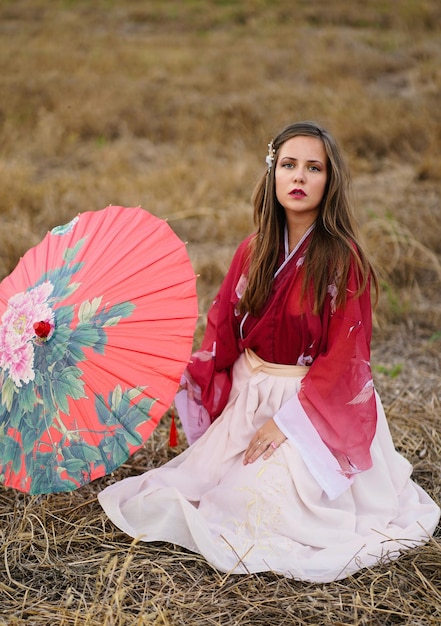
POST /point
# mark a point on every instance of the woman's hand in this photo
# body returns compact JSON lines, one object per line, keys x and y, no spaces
{"x":266,"y":440}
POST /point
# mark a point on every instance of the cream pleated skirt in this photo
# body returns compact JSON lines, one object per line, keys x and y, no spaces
{"x":272,"y":515}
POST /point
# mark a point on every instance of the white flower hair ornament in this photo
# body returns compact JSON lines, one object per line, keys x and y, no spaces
{"x":270,"y":156}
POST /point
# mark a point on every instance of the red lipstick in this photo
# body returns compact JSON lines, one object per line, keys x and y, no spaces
{"x":297,"y":193}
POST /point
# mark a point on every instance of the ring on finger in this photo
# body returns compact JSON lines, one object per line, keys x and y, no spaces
{"x":273,"y":445}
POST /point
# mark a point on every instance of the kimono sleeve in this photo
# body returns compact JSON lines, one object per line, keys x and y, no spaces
{"x":332,"y":420}
{"x":207,"y":377}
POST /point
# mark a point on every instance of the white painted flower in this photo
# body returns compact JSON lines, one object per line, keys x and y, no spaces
{"x":17,"y":331}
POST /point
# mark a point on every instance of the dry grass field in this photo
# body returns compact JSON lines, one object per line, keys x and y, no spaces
{"x":170,"y":104}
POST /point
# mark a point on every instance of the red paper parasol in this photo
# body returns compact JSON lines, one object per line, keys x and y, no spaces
{"x":96,"y":328}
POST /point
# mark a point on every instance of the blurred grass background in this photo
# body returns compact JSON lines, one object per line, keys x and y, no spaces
{"x":170,"y":105}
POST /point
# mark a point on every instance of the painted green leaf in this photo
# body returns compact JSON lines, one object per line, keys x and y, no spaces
{"x":135,"y":416}
{"x":134,"y":392}
{"x":85,"y":335}
{"x":103,"y":413}
{"x":70,"y":289}
{"x":115,"y":451}
{"x":60,"y":277}
{"x":48,"y":399}
{"x":132,"y":437}
{"x":68,"y":383}
{"x":70,"y":253}
{"x":100,"y":345}
{"x":74,"y":466}
{"x":74,"y":353}
{"x":27,"y":398}
{"x":64,"y":315}
{"x":56,"y":347}
{"x":29,"y":439}
{"x":17,"y":463}
{"x":124,"y":309}
{"x":39,"y":379}
{"x":113,"y":321}
{"x":88,"y":309}
{"x":8,"y":391}
{"x":9,"y":449}
{"x":83,"y":450}
{"x":13,"y":417}
{"x":116,"y":399}
{"x":32,"y":427}
{"x":123,"y":405}
{"x":45,"y":474}
{"x":58,"y":352}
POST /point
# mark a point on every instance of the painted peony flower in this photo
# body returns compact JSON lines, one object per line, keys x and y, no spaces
{"x":17,"y":331}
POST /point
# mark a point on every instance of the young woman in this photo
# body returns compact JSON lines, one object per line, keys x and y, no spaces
{"x":292,"y":469}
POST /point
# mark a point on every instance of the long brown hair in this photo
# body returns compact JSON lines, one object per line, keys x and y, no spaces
{"x":334,"y":240}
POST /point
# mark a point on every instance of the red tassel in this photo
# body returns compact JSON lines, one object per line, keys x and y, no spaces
{"x":173,"y":438}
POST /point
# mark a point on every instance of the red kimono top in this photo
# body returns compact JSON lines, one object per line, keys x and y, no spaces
{"x":336,"y":405}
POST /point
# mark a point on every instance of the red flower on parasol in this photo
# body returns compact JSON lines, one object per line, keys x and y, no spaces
{"x":96,"y":327}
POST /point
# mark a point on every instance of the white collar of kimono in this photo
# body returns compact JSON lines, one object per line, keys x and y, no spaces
{"x":288,"y":257}
{"x":288,"y":254}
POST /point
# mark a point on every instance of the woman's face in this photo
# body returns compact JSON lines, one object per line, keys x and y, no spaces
{"x":300,"y":177}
